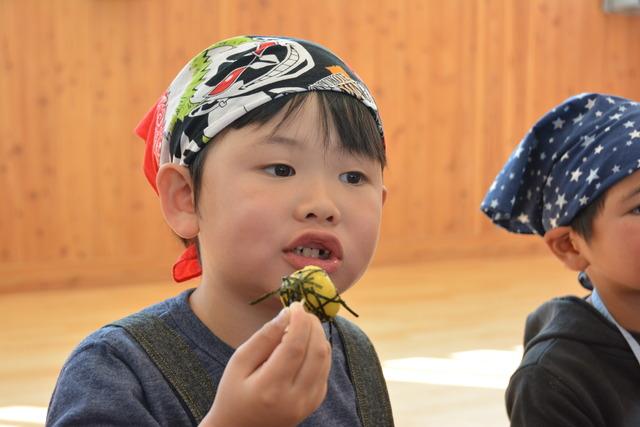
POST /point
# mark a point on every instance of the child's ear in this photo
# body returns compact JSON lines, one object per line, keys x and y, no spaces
{"x":384,"y":194}
{"x":568,"y":246}
{"x":175,"y":189}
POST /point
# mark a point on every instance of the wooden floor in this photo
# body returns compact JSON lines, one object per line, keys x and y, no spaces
{"x":448,"y":333}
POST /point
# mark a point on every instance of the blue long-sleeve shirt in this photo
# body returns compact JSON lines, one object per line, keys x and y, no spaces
{"x":109,"y":379}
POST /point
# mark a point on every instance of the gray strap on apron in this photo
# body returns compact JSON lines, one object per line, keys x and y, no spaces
{"x":175,"y":360}
{"x":184,"y":372}
{"x":372,"y":398}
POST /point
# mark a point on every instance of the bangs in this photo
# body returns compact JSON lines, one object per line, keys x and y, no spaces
{"x":353,"y":121}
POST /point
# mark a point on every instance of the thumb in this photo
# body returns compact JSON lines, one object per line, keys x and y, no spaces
{"x":257,"y":349}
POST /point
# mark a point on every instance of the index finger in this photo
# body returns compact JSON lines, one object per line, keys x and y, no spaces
{"x":286,"y":360}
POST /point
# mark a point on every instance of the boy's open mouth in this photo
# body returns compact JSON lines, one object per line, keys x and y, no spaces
{"x":319,"y":253}
{"x":318,"y":248}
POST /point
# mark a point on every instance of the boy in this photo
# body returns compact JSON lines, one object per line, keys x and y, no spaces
{"x":574,"y":180}
{"x":267,"y":155}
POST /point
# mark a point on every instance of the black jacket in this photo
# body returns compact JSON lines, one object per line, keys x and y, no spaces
{"x":577,"y":370}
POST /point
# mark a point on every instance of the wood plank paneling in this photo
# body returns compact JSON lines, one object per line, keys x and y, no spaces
{"x":458,"y":82}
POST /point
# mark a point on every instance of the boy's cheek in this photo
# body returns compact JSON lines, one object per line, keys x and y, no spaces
{"x":368,"y":213}
{"x":366,"y":218}
{"x":364,"y":237}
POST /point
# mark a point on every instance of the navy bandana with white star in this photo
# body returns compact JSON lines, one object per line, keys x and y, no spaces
{"x":570,"y":156}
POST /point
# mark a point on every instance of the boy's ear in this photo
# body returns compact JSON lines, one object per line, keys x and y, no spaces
{"x":384,"y":194}
{"x":568,"y":246}
{"x":175,"y":189}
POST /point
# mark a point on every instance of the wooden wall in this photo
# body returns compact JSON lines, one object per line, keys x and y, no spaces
{"x":458,"y":82}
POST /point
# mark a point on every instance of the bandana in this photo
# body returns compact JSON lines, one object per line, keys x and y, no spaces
{"x":572,"y":155}
{"x":224,"y":82}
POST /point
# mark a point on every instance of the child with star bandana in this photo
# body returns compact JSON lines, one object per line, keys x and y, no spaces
{"x":267,"y":155}
{"x":574,"y":180}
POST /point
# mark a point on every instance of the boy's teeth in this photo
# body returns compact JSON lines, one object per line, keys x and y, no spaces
{"x":312,"y":252}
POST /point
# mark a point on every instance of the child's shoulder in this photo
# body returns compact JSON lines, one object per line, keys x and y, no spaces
{"x":566,"y":338}
{"x":572,"y":358}
{"x":112,"y":341}
{"x":108,"y":376}
{"x":568,"y":322}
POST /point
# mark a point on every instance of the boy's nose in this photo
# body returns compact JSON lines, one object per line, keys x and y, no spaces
{"x":319,"y":208}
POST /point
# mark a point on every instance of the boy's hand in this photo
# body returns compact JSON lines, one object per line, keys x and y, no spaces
{"x":276,"y":378}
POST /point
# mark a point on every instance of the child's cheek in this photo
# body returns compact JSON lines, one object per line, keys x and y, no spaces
{"x":363,"y":230}
{"x":627,"y":235}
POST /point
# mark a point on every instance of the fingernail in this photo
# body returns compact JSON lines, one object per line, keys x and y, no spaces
{"x":282,"y":318}
{"x":296,"y":305}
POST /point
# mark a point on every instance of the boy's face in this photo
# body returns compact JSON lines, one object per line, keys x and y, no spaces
{"x":614,"y":249}
{"x":271,"y":204}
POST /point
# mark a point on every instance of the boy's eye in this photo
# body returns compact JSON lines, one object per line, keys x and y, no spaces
{"x":280,"y":170}
{"x":352,"y":177}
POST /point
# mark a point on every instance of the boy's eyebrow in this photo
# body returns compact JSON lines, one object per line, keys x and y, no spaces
{"x":279,"y":139}
{"x":632,"y":193}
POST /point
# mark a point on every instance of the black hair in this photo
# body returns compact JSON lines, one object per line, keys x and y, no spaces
{"x":582,"y":223}
{"x":355,"y":124}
